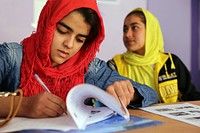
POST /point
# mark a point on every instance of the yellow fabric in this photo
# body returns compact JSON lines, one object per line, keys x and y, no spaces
{"x":141,"y":68}
{"x":168,"y":90}
{"x":145,"y":69}
{"x":144,"y":75}
{"x":163,"y":58}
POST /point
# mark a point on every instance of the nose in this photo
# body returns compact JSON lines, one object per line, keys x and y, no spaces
{"x":69,"y":42}
{"x":128,"y":33}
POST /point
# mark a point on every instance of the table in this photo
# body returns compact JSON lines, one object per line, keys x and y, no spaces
{"x":169,"y":126}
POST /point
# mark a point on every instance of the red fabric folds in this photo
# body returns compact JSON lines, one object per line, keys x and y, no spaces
{"x":36,"y":58}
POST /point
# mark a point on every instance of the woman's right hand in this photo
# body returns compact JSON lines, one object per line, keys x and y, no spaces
{"x":42,"y":105}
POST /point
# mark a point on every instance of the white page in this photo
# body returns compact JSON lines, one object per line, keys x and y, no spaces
{"x":63,"y":123}
{"x":100,"y":111}
{"x":184,"y":112}
{"x":80,"y":112}
{"x":76,"y":107}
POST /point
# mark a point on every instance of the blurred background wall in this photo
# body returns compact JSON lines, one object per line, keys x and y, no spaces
{"x":180,"y":23}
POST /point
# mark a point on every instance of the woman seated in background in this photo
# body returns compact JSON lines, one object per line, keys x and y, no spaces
{"x":146,"y":62}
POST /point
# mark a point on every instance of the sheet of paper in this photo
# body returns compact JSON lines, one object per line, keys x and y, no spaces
{"x":81,"y":112}
{"x":184,"y":112}
{"x":62,"y":123}
{"x":105,"y":112}
{"x":112,"y":125}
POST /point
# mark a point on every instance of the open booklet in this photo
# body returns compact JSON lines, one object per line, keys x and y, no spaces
{"x":83,"y":114}
{"x":79,"y":115}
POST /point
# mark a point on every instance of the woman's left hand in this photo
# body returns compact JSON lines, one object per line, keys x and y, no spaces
{"x":122,"y":90}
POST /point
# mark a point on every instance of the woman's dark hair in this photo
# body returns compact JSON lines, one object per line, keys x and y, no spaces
{"x":138,"y":13}
{"x":92,"y":19}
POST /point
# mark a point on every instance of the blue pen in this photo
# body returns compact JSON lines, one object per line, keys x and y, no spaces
{"x":41,"y":83}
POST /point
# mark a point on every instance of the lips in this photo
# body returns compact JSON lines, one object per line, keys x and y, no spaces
{"x":130,"y":42}
{"x":63,"y":54}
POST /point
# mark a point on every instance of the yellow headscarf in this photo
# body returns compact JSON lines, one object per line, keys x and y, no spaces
{"x":137,"y":67}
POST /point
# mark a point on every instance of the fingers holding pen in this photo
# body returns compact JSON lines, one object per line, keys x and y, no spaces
{"x":43,"y":105}
{"x":54,"y":103}
{"x":57,"y":105}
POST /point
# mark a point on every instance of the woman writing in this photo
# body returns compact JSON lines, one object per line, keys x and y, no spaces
{"x":62,"y":53}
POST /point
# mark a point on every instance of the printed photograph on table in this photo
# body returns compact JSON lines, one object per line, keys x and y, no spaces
{"x":184,"y":112}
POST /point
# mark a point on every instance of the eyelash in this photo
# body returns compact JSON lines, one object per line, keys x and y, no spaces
{"x":61,"y":32}
{"x":132,"y":28}
{"x":79,"y":40}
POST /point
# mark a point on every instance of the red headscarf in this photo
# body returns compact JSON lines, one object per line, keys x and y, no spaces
{"x":36,"y":52}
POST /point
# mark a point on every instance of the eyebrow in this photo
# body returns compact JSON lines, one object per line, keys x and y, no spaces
{"x":68,"y":28}
{"x":134,"y":23}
